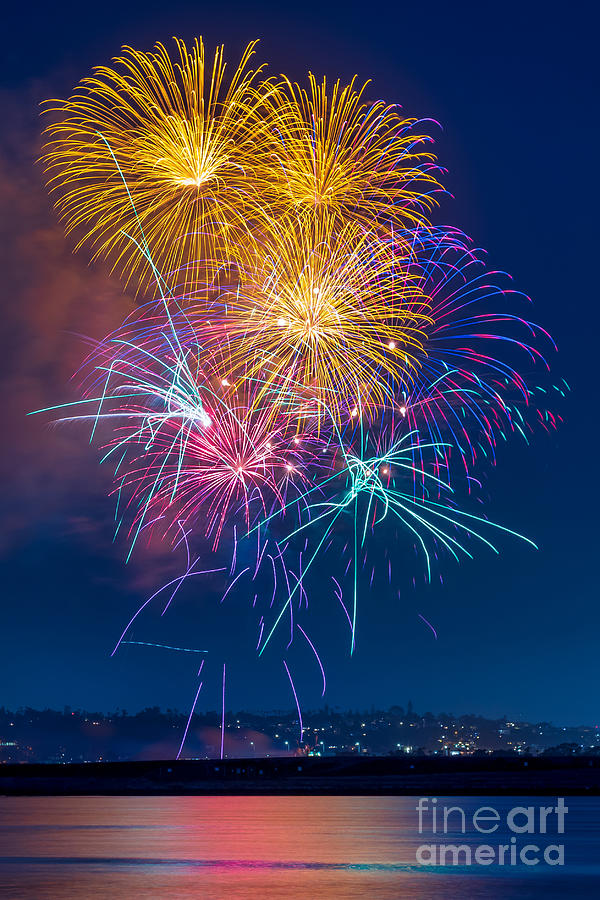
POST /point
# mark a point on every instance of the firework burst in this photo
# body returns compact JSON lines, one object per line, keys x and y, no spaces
{"x":336,"y":154}
{"x":331,"y":311}
{"x":161,"y":151}
{"x":317,"y":360}
{"x":190,"y":444}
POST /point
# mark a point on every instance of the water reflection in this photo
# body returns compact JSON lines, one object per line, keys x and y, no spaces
{"x":264,"y":847}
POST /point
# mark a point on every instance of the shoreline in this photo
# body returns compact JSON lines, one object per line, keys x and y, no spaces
{"x":334,"y":776}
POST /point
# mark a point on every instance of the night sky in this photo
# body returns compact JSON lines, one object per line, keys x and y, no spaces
{"x":514,"y":87}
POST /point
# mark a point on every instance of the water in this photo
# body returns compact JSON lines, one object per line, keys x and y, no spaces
{"x":239,"y":848}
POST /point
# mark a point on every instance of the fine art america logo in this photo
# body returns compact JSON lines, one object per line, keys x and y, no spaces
{"x":513,"y":826}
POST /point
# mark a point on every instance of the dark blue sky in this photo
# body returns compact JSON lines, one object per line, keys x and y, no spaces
{"x":515,"y":88}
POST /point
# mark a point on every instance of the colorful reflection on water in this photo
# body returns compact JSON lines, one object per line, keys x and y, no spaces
{"x":267,"y":847}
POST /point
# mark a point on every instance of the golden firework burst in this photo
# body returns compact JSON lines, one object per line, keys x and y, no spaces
{"x":333,"y":152}
{"x":332,"y":310}
{"x":156,"y":158}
